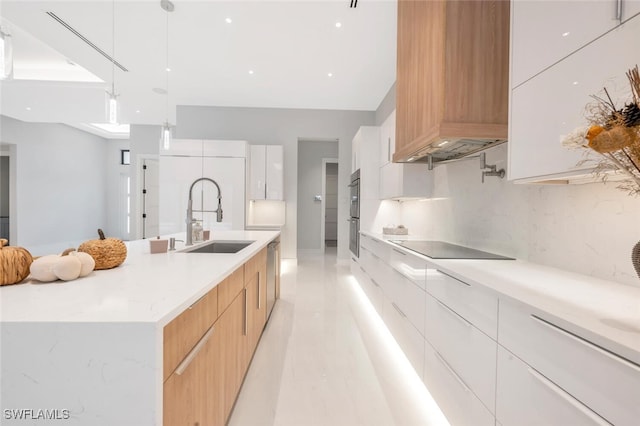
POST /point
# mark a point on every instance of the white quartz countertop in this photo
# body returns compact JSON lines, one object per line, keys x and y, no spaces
{"x":604,"y":312}
{"x":145,"y":288}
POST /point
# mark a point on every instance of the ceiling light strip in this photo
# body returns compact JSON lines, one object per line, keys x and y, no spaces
{"x":87,"y":41}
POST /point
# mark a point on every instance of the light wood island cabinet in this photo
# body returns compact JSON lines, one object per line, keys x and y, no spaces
{"x":452,"y":73}
{"x":209,"y":346}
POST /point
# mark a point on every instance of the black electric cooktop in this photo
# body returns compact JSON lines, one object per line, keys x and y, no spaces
{"x":442,"y":250}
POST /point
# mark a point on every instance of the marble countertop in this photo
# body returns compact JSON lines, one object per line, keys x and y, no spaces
{"x":145,"y":288}
{"x":604,"y":312}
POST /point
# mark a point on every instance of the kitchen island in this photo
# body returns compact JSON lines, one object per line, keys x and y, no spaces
{"x":91,"y":351}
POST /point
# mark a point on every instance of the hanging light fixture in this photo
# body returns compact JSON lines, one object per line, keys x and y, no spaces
{"x":112,"y":97}
{"x":6,"y":55}
{"x":165,"y":135}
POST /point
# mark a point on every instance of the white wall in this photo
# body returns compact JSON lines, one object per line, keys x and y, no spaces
{"x":310,"y":214}
{"x":60,"y":182}
{"x":4,"y":185}
{"x":589,"y":229}
{"x":275,"y":126}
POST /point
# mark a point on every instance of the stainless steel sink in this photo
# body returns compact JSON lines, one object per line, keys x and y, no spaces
{"x":220,"y":247}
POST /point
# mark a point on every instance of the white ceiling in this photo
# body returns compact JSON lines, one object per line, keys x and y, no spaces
{"x":290,"y":45}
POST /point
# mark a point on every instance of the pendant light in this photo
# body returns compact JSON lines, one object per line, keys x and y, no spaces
{"x":6,"y":55}
{"x":112,"y":97}
{"x":165,"y":135}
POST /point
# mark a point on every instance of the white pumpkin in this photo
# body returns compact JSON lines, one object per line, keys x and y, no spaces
{"x":88,"y":264}
{"x":42,"y":268}
{"x":67,"y":268}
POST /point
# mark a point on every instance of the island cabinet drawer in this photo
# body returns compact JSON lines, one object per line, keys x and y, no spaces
{"x":527,"y":398}
{"x":184,"y":332}
{"x":230,"y":288}
{"x":408,"y":298}
{"x":470,"y":353}
{"x":371,"y":289}
{"x":405,"y":334}
{"x":603,"y":381}
{"x":409,"y":265}
{"x":256,"y":265}
{"x":475,"y":304}
{"x":458,"y":403}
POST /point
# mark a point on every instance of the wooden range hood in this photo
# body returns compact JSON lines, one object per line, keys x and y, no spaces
{"x":452,"y":78}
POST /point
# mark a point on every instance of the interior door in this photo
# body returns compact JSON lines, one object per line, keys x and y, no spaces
{"x":150,"y":198}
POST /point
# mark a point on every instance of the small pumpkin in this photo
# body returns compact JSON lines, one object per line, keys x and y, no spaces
{"x":107,"y":252}
{"x":14,"y":263}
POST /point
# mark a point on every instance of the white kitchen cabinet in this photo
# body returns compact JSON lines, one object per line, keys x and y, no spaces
{"x":388,"y":139}
{"x":409,"y":265}
{"x":476,"y":305}
{"x":405,"y":181}
{"x":409,"y":298}
{"x":470,"y":353}
{"x":544,"y":32}
{"x":458,"y":403}
{"x":603,"y":381}
{"x":552,"y":104}
{"x":527,"y":398}
{"x":266,"y":172}
{"x":409,"y":339}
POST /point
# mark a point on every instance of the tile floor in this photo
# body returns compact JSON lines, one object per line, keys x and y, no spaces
{"x":325,"y":358}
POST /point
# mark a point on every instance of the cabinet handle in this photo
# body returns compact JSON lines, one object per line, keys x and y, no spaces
{"x":400,"y":252}
{"x":194,"y":352}
{"x":245,"y":326}
{"x":362,"y":269}
{"x":454,"y":314}
{"x":389,"y":148}
{"x":196,"y":302}
{"x":398,"y":309}
{"x":570,"y":335}
{"x":452,"y":277}
{"x":375,"y":283}
{"x":259,"y":293}
{"x":567,"y":397}
{"x":453,"y":373}
{"x":619,"y":11}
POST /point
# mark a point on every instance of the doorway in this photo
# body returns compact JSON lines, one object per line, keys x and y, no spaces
{"x":330,"y":204}
{"x":4,"y":195}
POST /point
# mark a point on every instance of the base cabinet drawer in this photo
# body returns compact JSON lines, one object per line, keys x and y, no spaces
{"x":409,"y":265}
{"x":527,"y":398}
{"x":458,"y":403}
{"x":467,"y":350}
{"x":476,"y":305}
{"x":409,"y":298}
{"x":606,"y":383}
{"x":410,"y":340}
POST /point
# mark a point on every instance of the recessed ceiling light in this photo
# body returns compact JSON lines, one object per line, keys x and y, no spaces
{"x":168,"y":69}
{"x":28,"y":108}
{"x":250,"y":71}
{"x":338,"y":24}
{"x":228,"y":20}
{"x":159,"y":91}
{"x":575,"y":83}
{"x":565,"y":34}
{"x":330,"y":74}
{"x":137,"y":111}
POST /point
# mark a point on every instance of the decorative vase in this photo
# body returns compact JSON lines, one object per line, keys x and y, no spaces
{"x":635,"y":257}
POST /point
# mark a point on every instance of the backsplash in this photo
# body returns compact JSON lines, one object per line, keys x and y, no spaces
{"x":589,"y":229}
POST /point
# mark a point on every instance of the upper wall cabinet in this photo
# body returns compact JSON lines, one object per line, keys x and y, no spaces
{"x":266,"y":173}
{"x":452,"y":74}
{"x":388,"y":139}
{"x":543,"y":32}
{"x":550,"y":105}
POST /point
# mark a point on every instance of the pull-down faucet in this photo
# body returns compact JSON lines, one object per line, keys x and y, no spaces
{"x":190,"y":220}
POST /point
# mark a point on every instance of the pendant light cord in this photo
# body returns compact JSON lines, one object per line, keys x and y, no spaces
{"x":113,"y":48}
{"x":167,"y":69}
